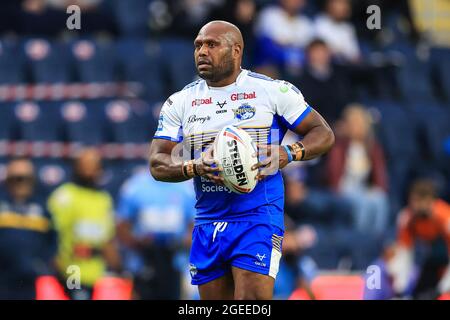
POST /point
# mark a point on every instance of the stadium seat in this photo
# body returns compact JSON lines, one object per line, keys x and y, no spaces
{"x":7,"y":129}
{"x":325,"y":252}
{"x":116,"y":172}
{"x":440,"y":62}
{"x":132,"y":17}
{"x":397,"y":131}
{"x":49,"y":62}
{"x":415,"y":66}
{"x":94,"y":61}
{"x":178,"y":62}
{"x":129,"y":121}
{"x":49,"y":288}
{"x":33,"y":121}
{"x":84,"y":122}
{"x":112,"y":288}
{"x":140,"y":61}
{"x":338,"y":287}
{"x":11,"y":63}
{"x":434,"y":120}
{"x":50,"y":174}
{"x":3,"y":162}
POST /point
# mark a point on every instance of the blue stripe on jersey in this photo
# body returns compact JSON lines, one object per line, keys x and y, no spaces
{"x":168,"y":138}
{"x":259,"y":76}
{"x":192,"y":84}
{"x":301,"y":117}
{"x":296,"y":90}
{"x":278,"y":123}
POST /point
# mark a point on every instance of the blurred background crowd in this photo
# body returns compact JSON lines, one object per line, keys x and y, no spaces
{"x":78,"y":109}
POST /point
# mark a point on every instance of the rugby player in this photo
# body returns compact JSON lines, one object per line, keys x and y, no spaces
{"x":236,"y":241}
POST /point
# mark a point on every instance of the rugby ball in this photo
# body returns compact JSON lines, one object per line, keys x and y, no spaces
{"x":233,"y":151}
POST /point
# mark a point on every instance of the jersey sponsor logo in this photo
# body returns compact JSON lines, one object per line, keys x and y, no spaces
{"x":244,"y":112}
{"x":221,"y":105}
{"x":243,"y":96}
{"x":208,"y":187}
{"x":194,"y":118}
{"x":199,"y":102}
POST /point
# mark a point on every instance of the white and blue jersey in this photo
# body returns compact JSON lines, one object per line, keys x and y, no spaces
{"x":265,"y":108}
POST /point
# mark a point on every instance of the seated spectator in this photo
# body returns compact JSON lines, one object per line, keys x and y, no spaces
{"x":426,"y":219}
{"x":83,"y":216}
{"x":356,"y":170}
{"x":241,"y":13}
{"x":27,"y":239}
{"x":283,"y":34}
{"x":154,"y":227}
{"x":322,"y":82}
{"x":340,"y":35}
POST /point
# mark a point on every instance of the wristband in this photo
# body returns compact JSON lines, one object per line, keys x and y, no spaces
{"x":188,"y":169}
{"x":289,"y":153}
{"x":298,"y":150}
{"x":183,"y":170}
{"x":195,"y":169}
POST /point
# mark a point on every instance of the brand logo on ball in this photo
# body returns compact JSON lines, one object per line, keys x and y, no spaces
{"x":243,"y":96}
{"x":244,"y":112}
{"x":199,"y":102}
{"x":237,"y":166}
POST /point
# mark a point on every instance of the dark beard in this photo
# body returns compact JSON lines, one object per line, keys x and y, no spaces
{"x":220,"y":72}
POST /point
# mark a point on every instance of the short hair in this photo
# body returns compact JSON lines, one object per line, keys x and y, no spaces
{"x":423,"y":188}
{"x":316,"y":42}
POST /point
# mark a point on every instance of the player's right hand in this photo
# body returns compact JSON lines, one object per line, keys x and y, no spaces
{"x":207,"y":167}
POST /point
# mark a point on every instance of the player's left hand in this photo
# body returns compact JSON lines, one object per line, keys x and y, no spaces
{"x":273,"y":158}
{"x":208,"y":167}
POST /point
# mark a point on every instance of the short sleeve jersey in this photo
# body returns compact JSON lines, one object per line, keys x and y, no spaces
{"x":264,"y":107}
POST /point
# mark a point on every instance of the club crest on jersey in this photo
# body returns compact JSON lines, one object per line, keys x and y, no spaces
{"x":199,"y":102}
{"x":243,"y":96}
{"x":244,"y":112}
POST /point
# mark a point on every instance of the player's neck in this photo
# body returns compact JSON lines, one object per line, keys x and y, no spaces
{"x":226,"y":81}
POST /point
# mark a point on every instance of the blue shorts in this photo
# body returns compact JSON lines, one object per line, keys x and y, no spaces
{"x":218,"y":246}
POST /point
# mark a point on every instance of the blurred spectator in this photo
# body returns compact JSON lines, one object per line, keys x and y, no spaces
{"x":84,"y":218}
{"x":180,"y":18}
{"x":283,"y":34}
{"x":385,"y":288}
{"x":27,"y":239}
{"x":241,"y":13}
{"x":154,"y":226}
{"x":340,"y":35}
{"x":296,"y":269}
{"x":426,"y":219}
{"x":48,"y":17}
{"x":305,"y":204}
{"x":356,"y":169}
{"x":324,"y":84}
{"x":400,"y":9}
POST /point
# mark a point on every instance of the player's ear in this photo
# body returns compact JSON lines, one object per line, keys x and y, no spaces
{"x":237,"y":50}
